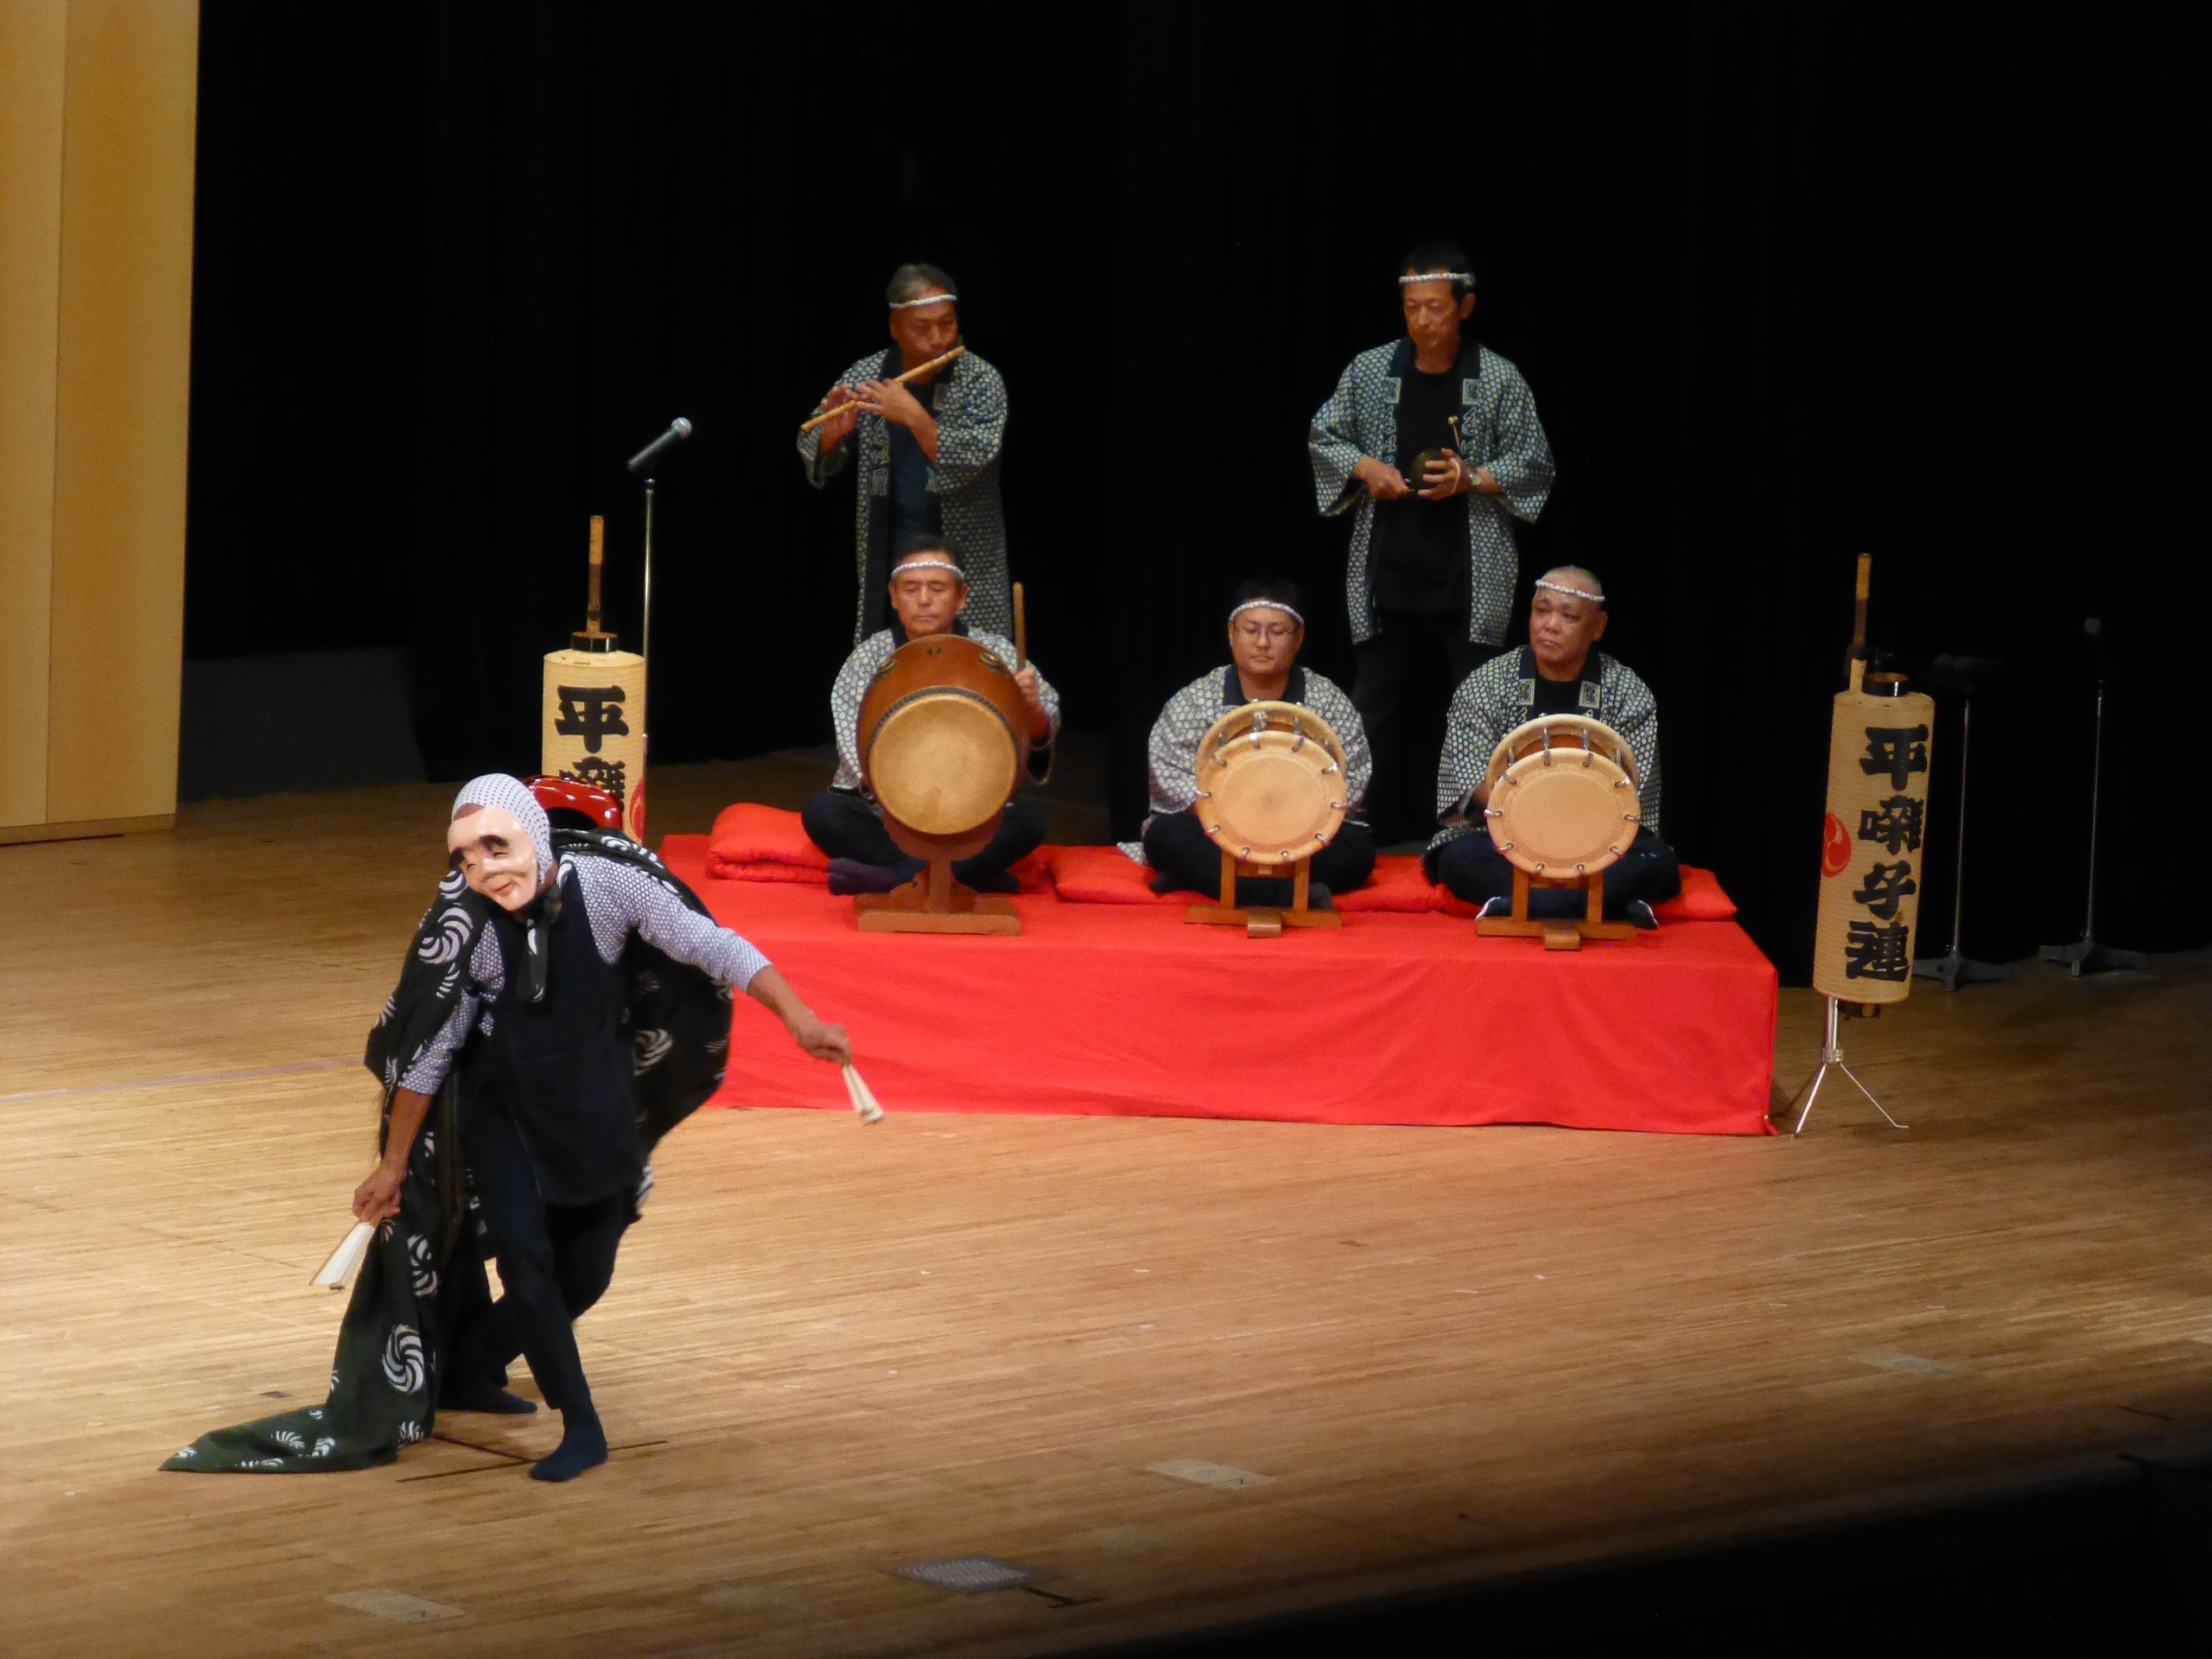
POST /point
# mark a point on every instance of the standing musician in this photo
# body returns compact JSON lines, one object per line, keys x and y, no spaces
{"x":1266,"y":630}
{"x":1433,"y":563}
{"x":929,"y":594}
{"x":929,"y":451}
{"x":1559,"y":671}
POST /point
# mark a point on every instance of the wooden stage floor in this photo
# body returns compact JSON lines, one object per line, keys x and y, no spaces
{"x":1443,"y":1356}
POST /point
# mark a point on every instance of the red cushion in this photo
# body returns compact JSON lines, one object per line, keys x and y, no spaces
{"x":761,"y":869}
{"x":752,"y":843}
{"x":1398,"y":883}
{"x":1034,"y":871}
{"x":1699,"y":900}
{"x":1103,"y":875}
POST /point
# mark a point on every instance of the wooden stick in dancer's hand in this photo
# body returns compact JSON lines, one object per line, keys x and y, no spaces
{"x":934,"y":364}
{"x":863,"y":1097}
{"x":1021,"y":632}
{"x":346,"y":1260}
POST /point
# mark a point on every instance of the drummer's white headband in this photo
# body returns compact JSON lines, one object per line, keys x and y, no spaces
{"x":904,"y":565}
{"x":1267,"y":605}
{"x":931,"y":299}
{"x":1411,"y":277}
{"x":1570,"y":593}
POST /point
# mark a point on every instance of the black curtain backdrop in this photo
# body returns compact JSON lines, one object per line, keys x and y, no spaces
{"x":1788,"y":283}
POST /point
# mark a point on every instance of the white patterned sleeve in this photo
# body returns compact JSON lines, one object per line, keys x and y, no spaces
{"x":823,"y":465}
{"x":1333,"y":706}
{"x":1333,"y":445}
{"x":971,"y":434}
{"x":1469,"y":741}
{"x":845,"y":695}
{"x":1637,"y":719}
{"x":1521,"y":459}
{"x":436,"y":1059}
{"x":623,"y":899}
{"x":1172,"y":754}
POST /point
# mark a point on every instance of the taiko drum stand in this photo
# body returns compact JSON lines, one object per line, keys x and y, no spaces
{"x":1561,"y":933}
{"x":1263,"y":921}
{"x":933,"y":902}
{"x":2085,"y":955}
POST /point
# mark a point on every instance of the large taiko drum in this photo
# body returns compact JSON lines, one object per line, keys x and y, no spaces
{"x":1271,"y":783}
{"x":1563,"y":797}
{"x":943,"y":734}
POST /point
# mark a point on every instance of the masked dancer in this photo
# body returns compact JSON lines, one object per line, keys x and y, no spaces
{"x":565,"y":1003}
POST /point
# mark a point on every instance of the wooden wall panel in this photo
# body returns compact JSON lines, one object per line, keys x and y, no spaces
{"x":33,"y":37}
{"x":123,"y":381}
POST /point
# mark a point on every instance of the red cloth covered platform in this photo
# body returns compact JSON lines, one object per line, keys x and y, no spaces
{"x":1125,"y":1008}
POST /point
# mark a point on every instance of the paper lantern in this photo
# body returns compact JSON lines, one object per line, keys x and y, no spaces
{"x":1873,"y":845}
{"x":595,"y":726}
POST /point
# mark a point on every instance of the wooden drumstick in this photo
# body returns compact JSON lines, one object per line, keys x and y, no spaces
{"x":598,"y":563}
{"x":828,"y":415}
{"x":1021,"y":632}
{"x":1855,"y":665}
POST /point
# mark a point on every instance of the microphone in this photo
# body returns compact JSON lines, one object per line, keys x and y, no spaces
{"x":678,"y":429}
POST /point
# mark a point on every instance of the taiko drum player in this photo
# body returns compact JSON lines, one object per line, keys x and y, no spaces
{"x":929,"y":596}
{"x":1560,"y":671}
{"x":1266,"y":628}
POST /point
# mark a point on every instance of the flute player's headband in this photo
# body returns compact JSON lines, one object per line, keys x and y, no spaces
{"x":1413,"y":276}
{"x":946,"y":298}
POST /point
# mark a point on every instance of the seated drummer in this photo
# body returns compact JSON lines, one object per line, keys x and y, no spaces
{"x":928,"y":592}
{"x":1559,"y":671}
{"x":1265,"y":632}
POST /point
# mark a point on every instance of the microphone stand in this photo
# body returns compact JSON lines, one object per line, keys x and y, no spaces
{"x":646,"y":461}
{"x":1954,"y":968}
{"x":645,"y":623}
{"x":2085,"y":955}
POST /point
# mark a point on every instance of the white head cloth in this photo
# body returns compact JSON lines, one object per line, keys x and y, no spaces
{"x":512,"y":795}
{"x":904,"y":565}
{"x":1267,"y":605}
{"x":946,"y":298}
{"x":1569,"y":590}
{"x":1412,"y":277}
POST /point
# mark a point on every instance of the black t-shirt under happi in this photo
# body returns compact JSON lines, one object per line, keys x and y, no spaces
{"x":914,"y":510}
{"x":1419,"y":548}
{"x":1557,"y":697}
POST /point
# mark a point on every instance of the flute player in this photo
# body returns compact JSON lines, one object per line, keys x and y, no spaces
{"x":928,"y":446}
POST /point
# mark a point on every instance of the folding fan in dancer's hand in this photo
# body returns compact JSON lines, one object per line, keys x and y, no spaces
{"x":345,"y":1260}
{"x":863,"y":1097}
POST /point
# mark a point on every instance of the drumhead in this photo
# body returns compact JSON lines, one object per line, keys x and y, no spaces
{"x":1271,"y":782}
{"x":1562,"y":796}
{"x":943,"y":761}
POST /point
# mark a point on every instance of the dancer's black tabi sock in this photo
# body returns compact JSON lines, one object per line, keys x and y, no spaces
{"x":583,"y":1445}
{"x":496,"y":1402}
